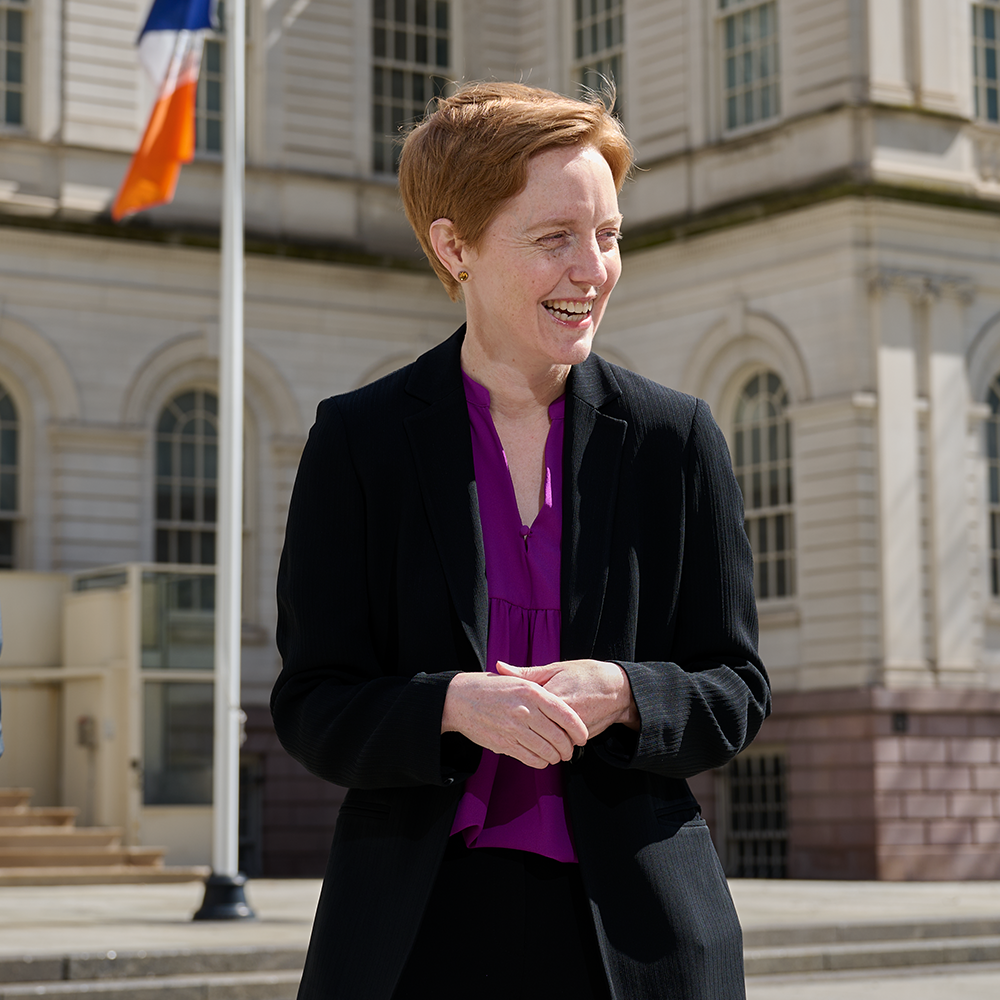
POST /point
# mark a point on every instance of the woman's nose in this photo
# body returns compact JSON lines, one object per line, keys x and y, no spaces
{"x":589,"y":268}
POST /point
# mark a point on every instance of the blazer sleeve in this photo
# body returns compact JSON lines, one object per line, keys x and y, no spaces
{"x":707,"y":703}
{"x":337,"y":709}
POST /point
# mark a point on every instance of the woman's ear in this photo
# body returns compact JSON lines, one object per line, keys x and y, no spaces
{"x":447,"y":245}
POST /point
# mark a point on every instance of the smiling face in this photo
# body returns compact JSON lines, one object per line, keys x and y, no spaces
{"x":541,"y":276}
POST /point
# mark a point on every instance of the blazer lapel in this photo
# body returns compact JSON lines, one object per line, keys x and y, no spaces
{"x":591,"y":464}
{"x":442,"y":451}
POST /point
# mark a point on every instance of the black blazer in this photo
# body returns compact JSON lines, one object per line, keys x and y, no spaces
{"x":382,"y":599}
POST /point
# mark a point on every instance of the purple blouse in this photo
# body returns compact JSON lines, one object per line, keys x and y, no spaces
{"x":506,"y":803}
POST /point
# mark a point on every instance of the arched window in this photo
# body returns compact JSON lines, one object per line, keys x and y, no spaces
{"x":762,"y":438}
{"x":186,"y":478}
{"x":993,"y":475}
{"x":9,"y":486}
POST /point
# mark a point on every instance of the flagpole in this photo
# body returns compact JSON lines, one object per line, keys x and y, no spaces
{"x":224,"y":896}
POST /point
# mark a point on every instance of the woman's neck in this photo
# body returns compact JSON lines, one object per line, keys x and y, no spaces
{"x":515,"y":390}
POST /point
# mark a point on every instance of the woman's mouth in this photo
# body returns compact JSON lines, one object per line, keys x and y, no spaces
{"x":569,"y":310}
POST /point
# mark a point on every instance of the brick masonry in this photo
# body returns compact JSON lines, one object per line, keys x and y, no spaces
{"x":889,"y":784}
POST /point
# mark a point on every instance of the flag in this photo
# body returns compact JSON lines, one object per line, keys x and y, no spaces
{"x":170,"y":46}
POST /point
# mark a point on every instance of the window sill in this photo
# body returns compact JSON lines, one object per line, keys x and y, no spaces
{"x":777,"y":612}
{"x":746,"y":131}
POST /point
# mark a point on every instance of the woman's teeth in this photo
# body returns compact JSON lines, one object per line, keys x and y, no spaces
{"x":568,"y":309}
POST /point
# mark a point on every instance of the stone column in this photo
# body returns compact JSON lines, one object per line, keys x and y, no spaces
{"x":903,"y":629}
{"x":951,"y":559}
{"x":888,"y":36}
{"x":943,"y":68}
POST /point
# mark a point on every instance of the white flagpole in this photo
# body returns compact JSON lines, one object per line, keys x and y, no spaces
{"x":224,"y":897}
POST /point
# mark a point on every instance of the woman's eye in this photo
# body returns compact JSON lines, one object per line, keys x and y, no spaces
{"x":610,"y":236}
{"x":554,"y":238}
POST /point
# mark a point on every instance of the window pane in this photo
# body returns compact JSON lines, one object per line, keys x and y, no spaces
{"x":8,"y":491}
{"x":15,"y":27}
{"x":177,"y":743}
{"x":164,"y":503}
{"x":12,"y":108}
{"x":14,"y":72}
{"x":6,"y":544}
{"x":8,"y":446}
{"x":213,"y":136}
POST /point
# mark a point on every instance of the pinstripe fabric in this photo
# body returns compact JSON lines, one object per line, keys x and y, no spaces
{"x":382,"y":598}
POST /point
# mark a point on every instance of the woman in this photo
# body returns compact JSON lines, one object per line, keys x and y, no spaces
{"x":516,"y":609}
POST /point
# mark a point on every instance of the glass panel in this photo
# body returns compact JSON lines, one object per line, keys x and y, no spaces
{"x":178,"y":629}
{"x":163,"y":546}
{"x":15,"y":27}
{"x":8,"y":446}
{"x":14,"y":66}
{"x":213,"y":136}
{"x":8,"y":491}
{"x":187,"y":454}
{"x":164,"y":508}
{"x":177,"y":743}
{"x":12,"y":108}
{"x":6,"y":544}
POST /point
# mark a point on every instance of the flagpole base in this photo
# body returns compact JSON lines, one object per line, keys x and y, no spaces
{"x":225,"y":899}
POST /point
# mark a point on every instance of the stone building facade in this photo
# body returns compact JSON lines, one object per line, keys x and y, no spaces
{"x":812,"y":245}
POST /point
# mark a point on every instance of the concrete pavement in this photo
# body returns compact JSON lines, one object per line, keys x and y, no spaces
{"x":51,"y":920}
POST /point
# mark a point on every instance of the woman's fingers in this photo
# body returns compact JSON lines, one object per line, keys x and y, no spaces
{"x":513,"y":717}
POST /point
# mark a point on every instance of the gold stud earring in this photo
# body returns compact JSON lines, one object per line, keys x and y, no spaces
{"x":462,"y":275}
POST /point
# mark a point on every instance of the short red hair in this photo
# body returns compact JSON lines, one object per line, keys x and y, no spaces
{"x":470,"y":155}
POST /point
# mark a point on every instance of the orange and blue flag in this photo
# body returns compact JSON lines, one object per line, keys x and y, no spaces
{"x":170,"y":46}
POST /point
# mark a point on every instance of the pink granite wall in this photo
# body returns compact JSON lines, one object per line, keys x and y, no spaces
{"x":891,"y":784}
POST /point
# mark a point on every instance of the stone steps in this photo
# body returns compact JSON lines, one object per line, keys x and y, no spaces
{"x":41,"y":845}
{"x":103,"y":874}
{"x":53,"y":836}
{"x":262,"y":973}
{"x":844,"y":947}
{"x":215,"y":974}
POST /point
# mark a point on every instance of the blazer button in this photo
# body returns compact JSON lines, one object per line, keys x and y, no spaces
{"x":449,"y":781}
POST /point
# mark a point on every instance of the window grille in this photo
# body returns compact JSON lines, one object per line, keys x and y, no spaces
{"x":9,"y":464}
{"x":984,"y":59}
{"x":13,"y":37}
{"x":186,"y":478}
{"x":599,"y":45}
{"x":411,"y":48}
{"x":763,"y":466}
{"x":750,"y":70}
{"x":993,"y":476}
{"x":757,"y":838}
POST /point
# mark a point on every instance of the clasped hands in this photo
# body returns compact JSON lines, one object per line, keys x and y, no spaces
{"x":539,"y":714}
